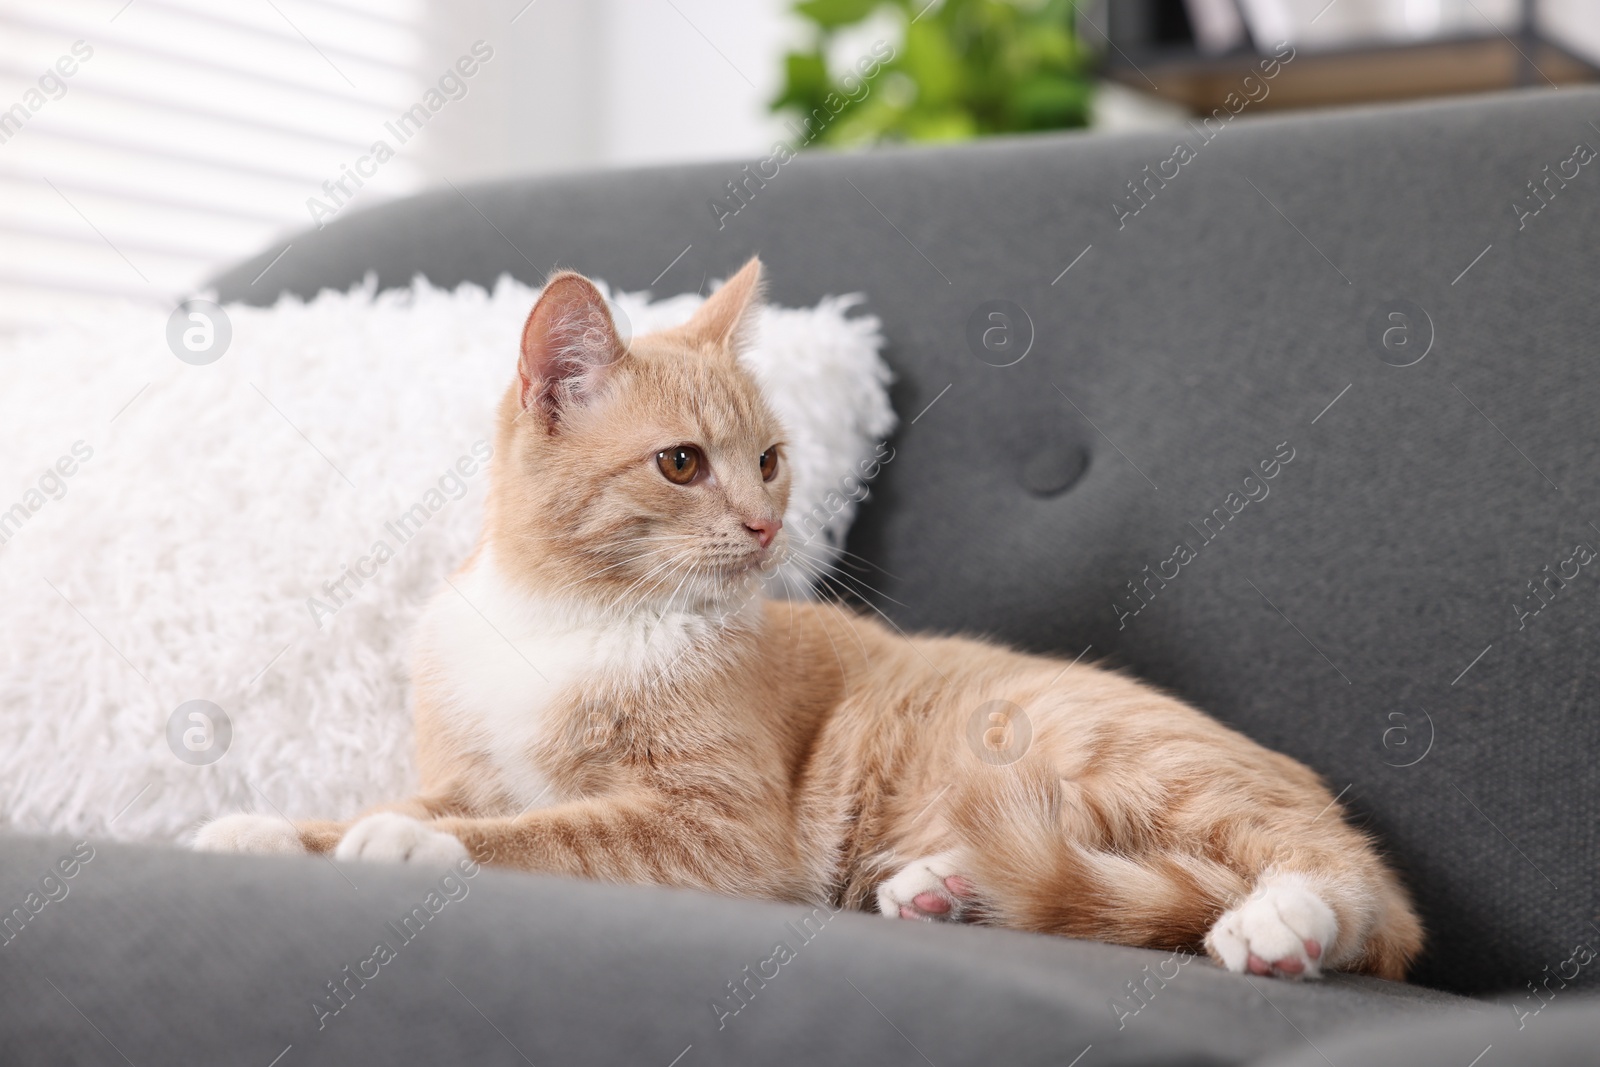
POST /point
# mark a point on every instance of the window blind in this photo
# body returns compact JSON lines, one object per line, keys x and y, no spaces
{"x":143,"y":144}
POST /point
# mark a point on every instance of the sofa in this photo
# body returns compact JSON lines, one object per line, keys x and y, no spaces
{"x":1096,"y":340}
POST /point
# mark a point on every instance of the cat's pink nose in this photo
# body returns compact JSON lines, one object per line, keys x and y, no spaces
{"x":764,"y":529}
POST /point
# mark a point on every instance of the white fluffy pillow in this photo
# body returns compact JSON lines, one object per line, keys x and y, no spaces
{"x":176,"y":561}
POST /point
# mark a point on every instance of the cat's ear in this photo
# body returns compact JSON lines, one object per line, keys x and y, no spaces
{"x":728,"y":319}
{"x":568,"y":344}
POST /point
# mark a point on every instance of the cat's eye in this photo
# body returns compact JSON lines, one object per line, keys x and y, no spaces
{"x":769,"y":464}
{"x":680,"y":463}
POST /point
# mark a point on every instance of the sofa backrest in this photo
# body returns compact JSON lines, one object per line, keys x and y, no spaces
{"x":1103,"y":347}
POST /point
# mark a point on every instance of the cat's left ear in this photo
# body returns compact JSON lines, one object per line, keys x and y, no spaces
{"x":568,"y":344}
{"x":728,"y":319}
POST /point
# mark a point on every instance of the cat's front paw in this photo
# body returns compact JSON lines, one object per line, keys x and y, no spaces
{"x":1284,"y":930}
{"x":389,"y":837}
{"x":931,"y":889}
{"x":259,"y":834}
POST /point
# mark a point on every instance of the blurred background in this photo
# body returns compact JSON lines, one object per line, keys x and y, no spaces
{"x":145,"y":143}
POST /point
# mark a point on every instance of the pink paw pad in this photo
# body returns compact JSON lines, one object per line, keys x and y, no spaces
{"x":928,"y":889}
{"x":958,"y":885}
{"x":1288,"y":966}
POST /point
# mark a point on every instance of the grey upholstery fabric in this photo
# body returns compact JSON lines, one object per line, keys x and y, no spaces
{"x":161,"y":957}
{"x":1562,"y":1033}
{"x":1360,"y":617}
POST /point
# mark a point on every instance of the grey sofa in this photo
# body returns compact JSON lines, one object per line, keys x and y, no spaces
{"x":1381,"y":292}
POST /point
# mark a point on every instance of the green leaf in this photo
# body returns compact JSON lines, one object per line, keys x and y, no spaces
{"x":963,"y":68}
{"x":805,"y":81}
{"x":950,"y":124}
{"x":831,"y":14}
{"x":930,"y":58}
{"x":1048,"y":103}
{"x":873,"y":119}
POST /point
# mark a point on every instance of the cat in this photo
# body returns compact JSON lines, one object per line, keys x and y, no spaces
{"x":602,"y":690}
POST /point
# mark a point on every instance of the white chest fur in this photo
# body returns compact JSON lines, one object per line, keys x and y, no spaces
{"x":505,"y":663}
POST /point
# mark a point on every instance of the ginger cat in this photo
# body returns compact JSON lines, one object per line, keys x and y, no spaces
{"x":602,"y":691}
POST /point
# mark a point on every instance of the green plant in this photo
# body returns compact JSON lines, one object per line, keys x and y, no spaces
{"x":962,"y":68}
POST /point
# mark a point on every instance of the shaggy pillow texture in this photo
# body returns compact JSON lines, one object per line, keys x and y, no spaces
{"x":183,"y":532}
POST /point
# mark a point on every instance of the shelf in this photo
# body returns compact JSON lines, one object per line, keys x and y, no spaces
{"x":1368,"y":75}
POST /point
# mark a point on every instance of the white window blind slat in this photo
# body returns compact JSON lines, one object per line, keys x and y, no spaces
{"x":38,"y":208}
{"x":193,"y":135}
{"x":359,"y":38}
{"x":194,"y":42}
{"x":24,"y":304}
{"x":253,"y":110}
{"x":235,"y":94}
{"x":89,"y":265}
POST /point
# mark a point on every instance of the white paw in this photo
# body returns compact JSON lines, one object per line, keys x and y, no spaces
{"x":389,"y":837}
{"x":930,"y":889}
{"x":259,"y":834}
{"x":1284,"y":929}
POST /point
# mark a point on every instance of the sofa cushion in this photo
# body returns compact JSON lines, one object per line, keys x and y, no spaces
{"x":1375,"y":304}
{"x":164,"y":956}
{"x":1561,"y":1033}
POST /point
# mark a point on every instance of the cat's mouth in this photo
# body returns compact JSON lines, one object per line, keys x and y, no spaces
{"x":742,"y":566}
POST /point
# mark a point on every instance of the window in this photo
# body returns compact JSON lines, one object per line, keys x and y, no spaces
{"x":144,"y":143}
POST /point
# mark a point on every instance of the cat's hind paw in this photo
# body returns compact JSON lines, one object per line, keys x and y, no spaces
{"x":257,"y":834}
{"x":1283,"y":930}
{"x":389,"y":837}
{"x":930,"y":889}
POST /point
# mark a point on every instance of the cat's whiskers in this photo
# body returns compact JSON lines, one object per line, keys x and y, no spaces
{"x":848,"y":555}
{"x":825,"y":622}
{"x":812,"y":567}
{"x":671,"y":566}
{"x":825,"y":627}
{"x":693,"y":569}
{"x":823,"y":571}
{"x":697,"y":666}
{"x":675,"y":543}
{"x":590,"y":575}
